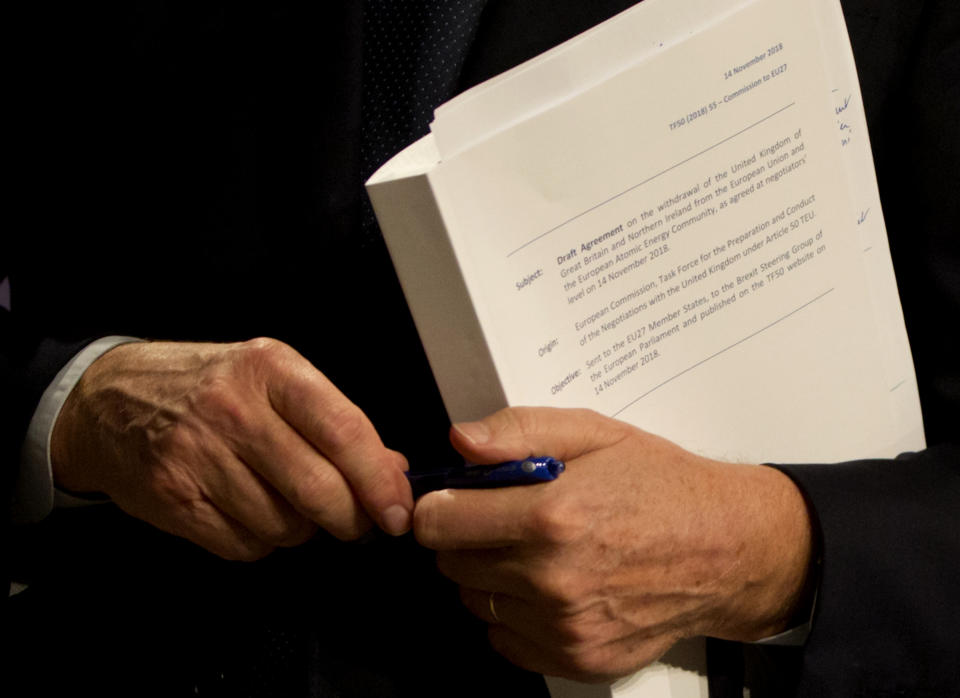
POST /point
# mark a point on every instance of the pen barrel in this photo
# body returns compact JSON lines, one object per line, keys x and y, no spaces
{"x":518,"y":472}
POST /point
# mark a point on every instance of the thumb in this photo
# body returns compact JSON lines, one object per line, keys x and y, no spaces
{"x":515,"y":433}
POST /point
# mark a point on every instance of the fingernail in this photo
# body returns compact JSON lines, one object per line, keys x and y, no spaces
{"x":396,"y":520}
{"x":475,"y":432}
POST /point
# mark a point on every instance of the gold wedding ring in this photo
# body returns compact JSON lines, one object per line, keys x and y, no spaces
{"x":493,"y":608}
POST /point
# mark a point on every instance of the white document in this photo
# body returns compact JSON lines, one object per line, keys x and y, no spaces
{"x":688,"y":239}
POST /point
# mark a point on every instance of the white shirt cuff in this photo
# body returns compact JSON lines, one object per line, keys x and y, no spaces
{"x":34,"y":493}
{"x":796,"y":636}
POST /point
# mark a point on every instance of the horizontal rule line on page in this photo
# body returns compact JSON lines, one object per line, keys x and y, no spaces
{"x":649,"y":179}
{"x":725,"y":349}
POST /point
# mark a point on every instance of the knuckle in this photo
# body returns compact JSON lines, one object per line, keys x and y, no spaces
{"x":574,"y":631}
{"x":325,"y":500}
{"x":523,"y":420}
{"x":589,"y":664}
{"x":585,"y":413}
{"x":245,"y":550}
{"x":286,"y":531}
{"x":169,"y":483}
{"x":591,"y":661}
{"x":264,"y":349}
{"x":344,"y":427}
{"x":314,"y":494}
{"x":603,"y":660}
{"x":172,"y":441}
{"x":557,"y":586}
{"x":555,"y":521}
{"x":262,"y":358}
{"x":300,"y":535}
{"x":397,"y":461}
{"x":230,"y":544}
{"x":219,"y":402}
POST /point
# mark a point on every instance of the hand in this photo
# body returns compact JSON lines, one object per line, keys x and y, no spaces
{"x":237,"y":447}
{"x":638,"y":544}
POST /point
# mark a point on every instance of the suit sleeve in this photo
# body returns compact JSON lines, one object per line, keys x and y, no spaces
{"x":28,"y":363}
{"x":888,"y":608}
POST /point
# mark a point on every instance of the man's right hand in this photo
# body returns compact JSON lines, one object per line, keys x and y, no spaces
{"x":238,"y":447}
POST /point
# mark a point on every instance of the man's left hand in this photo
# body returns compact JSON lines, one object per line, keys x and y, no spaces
{"x":637,"y":545}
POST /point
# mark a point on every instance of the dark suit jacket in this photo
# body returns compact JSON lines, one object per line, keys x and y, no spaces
{"x":192,"y":172}
{"x":887,"y":609}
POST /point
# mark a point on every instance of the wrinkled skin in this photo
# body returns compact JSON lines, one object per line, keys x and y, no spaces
{"x":238,"y":447}
{"x":638,"y":544}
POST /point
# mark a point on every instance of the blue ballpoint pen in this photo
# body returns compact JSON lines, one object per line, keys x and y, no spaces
{"x":515,"y":472}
